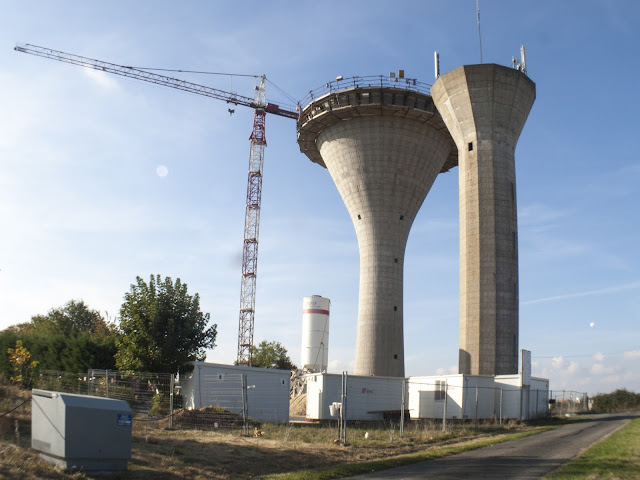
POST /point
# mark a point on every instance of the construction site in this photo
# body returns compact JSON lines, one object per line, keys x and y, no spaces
{"x":384,"y":141}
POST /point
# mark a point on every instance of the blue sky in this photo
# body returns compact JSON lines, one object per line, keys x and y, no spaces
{"x":84,"y":211}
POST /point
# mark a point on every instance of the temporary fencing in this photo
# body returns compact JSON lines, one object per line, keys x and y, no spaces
{"x":568,"y":402}
{"x":156,"y":397}
{"x":355,"y":400}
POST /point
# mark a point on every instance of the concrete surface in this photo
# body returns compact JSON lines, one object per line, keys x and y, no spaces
{"x":485,"y":108}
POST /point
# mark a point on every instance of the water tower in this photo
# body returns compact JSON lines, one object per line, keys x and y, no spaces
{"x":383,"y":143}
{"x":485,"y":108}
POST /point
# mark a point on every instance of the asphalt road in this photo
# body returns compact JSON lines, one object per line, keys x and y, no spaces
{"x":526,"y":458}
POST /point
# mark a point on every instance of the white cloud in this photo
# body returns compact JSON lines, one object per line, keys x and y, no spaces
{"x":537,"y":213}
{"x":450,"y":370}
{"x":632,"y":355}
{"x":557,"y":362}
{"x":102,"y":79}
{"x":598,"y":357}
{"x":600,"y":369}
{"x":588,"y":293}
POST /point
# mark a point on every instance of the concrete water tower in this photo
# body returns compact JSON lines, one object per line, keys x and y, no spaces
{"x":384,"y":143}
{"x":485,"y":108}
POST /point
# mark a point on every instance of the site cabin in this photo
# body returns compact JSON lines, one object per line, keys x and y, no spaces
{"x":477,"y":397}
{"x":524,"y":402}
{"x":368,"y":398}
{"x":212,"y":384}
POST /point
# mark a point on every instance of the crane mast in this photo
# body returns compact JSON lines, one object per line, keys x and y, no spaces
{"x":252,"y":230}
{"x":256,"y":161}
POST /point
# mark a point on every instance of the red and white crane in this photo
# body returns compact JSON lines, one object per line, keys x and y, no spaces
{"x":256,"y":160}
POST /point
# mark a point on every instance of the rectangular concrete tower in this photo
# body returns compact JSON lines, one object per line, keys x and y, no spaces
{"x":485,"y":108}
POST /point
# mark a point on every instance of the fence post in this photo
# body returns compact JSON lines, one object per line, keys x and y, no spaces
{"x":404,"y":387}
{"x":537,"y":402}
{"x":343,"y":410}
{"x":171,"y":388}
{"x":476,"y":412}
{"x":107,"y":381}
{"x":500,"y":405}
{"x":245,"y":408}
{"x":444,"y":410}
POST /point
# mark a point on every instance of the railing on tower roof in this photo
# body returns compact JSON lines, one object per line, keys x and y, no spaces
{"x":369,"y":81}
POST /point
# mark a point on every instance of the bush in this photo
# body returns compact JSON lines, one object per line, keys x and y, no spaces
{"x":620,"y":400}
{"x":159,"y":405}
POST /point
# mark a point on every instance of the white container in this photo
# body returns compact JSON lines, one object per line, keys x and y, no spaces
{"x":315,"y":333}
{"x":368,"y":398}
{"x":221,"y":385}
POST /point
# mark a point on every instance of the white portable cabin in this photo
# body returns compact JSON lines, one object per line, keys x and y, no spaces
{"x":477,"y":397}
{"x":221,"y":385}
{"x":368,"y":398}
{"x":526,"y":401}
{"x":428,"y":395}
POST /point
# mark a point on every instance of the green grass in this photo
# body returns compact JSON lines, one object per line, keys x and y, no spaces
{"x":430,"y":454}
{"x":616,"y":457}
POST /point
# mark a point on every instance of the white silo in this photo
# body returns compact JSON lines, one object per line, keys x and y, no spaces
{"x":315,"y":333}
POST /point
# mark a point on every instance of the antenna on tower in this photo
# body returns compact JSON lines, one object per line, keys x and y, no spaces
{"x":479,"y":36}
{"x":436,"y":63}
{"x":523,"y":61}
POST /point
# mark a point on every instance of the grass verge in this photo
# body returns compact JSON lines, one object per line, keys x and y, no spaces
{"x":616,"y":457}
{"x":373,"y":466}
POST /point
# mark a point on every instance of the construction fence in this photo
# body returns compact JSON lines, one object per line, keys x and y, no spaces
{"x":157,"y":397}
{"x":357,"y":399}
{"x":569,"y":402}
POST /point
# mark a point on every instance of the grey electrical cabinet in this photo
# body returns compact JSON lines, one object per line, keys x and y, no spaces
{"x":81,"y":432}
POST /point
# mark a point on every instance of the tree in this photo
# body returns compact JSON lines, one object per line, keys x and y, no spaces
{"x":73,"y":318}
{"x":73,"y":338}
{"x":22,"y":366}
{"x":162,"y":327}
{"x":271,"y":355}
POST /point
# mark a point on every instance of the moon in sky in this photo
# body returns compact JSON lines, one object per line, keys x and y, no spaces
{"x":592,"y":324}
{"x":162,"y":171}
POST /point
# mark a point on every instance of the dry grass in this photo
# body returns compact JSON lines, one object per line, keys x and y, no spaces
{"x":213,"y":455}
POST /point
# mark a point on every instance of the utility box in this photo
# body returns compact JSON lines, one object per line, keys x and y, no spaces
{"x":81,"y":432}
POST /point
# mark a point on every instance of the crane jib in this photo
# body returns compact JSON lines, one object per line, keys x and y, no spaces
{"x":146,"y":76}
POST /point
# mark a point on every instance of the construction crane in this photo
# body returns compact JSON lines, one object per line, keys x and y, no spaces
{"x":256,"y":160}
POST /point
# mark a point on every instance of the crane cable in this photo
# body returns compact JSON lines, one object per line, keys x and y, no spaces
{"x":197,"y":71}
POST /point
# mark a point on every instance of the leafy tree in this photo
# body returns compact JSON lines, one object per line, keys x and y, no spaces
{"x":73,"y":338}
{"x":22,"y":365}
{"x":271,"y":355}
{"x":162,"y":327}
{"x":72,"y":318}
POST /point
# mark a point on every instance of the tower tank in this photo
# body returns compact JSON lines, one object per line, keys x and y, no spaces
{"x":315,"y":333}
{"x":383,"y":143}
